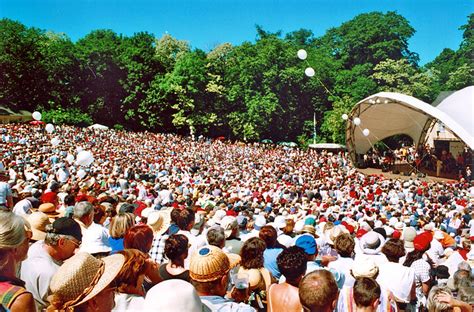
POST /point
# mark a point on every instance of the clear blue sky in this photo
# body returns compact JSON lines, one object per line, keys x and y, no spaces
{"x":206,"y":23}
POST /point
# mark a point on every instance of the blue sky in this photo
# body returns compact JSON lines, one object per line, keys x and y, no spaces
{"x":206,"y":23}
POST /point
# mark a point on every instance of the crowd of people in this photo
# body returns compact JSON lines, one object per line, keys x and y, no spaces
{"x":105,"y":220}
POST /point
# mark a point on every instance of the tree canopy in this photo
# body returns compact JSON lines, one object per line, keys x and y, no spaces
{"x":256,"y":90}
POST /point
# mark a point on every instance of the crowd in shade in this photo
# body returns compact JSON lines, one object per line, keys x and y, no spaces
{"x":105,"y":220}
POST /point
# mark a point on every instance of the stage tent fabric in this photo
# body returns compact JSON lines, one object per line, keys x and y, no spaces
{"x":387,"y":113}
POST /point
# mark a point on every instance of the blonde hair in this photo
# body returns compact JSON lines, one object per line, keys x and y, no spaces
{"x":120,"y":224}
{"x":433,"y":304}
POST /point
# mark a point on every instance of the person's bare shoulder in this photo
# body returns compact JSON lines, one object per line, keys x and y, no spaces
{"x":24,"y":303}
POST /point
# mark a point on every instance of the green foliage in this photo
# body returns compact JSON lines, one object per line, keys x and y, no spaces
{"x":247,"y":92}
{"x":69,"y":116}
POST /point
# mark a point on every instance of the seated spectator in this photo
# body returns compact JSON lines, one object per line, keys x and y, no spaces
{"x":440,"y":299}
{"x":176,"y":250}
{"x":174,"y":296}
{"x":61,"y":241}
{"x":159,"y":221}
{"x":119,"y":225}
{"x":14,"y":239}
{"x":209,"y":272}
{"x":252,"y":263}
{"x":139,"y":237}
{"x":84,"y":283}
{"x":284,"y":296}
{"x":366,"y":294}
{"x":129,"y":281}
{"x":318,"y":292}
{"x":272,"y":250}
{"x":233,"y":243}
{"x":216,"y":237}
{"x":344,"y":245}
{"x":399,"y":279}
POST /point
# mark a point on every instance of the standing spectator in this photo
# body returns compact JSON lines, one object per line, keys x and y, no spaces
{"x":14,"y":239}
{"x":6,"y":198}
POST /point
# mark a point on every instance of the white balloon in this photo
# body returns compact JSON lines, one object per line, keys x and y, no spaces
{"x":70,"y":158}
{"x":84,"y":158}
{"x":302,"y":55}
{"x":366,"y":132}
{"x":55,"y":141}
{"x":49,"y":128}
{"x":345,"y":117}
{"x":81,"y":173}
{"x":357,"y":121}
{"x":36,"y":116}
{"x":309,"y":72}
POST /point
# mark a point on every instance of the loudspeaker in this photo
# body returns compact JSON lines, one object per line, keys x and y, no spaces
{"x":395,"y":171}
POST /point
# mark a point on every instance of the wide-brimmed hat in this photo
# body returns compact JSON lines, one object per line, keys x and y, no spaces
{"x":49,"y":209}
{"x":371,"y":243}
{"x":364,"y":266}
{"x":174,"y":295}
{"x":38,"y":221}
{"x":159,"y":221}
{"x":209,"y":263}
{"x":82,"y":277}
{"x":229,"y":223}
{"x":409,"y":235}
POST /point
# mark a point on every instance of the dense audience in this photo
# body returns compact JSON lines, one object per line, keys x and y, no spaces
{"x":104,"y":220}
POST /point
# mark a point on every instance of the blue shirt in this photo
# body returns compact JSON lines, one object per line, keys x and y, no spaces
{"x":5,"y":192}
{"x":116,"y":244}
{"x":270,"y":261}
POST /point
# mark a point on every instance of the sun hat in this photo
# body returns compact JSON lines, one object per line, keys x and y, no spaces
{"x":82,"y":277}
{"x":371,"y":243}
{"x":146,"y":212}
{"x":310,"y":230}
{"x":409,"y":235}
{"x":228,"y":223}
{"x":399,"y":226}
{"x":174,"y":295}
{"x":422,"y":241}
{"x":38,"y":221}
{"x":280,"y":222}
{"x":364,"y":267}
{"x":260,"y":221}
{"x":438,"y":235}
{"x":159,"y":221}
{"x":49,"y":209}
{"x":209,"y":263}
{"x":307,"y":243}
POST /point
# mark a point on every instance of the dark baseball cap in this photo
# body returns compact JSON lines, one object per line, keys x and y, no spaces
{"x":67,"y":226}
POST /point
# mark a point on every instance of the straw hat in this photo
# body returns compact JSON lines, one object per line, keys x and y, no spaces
{"x":209,"y":263}
{"x":82,"y":277}
{"x":49,"y":209}
{"x":364,"y":267}
{"x":229,"y":223}
{"x":159,"y":221}
{"x":38,"y":221}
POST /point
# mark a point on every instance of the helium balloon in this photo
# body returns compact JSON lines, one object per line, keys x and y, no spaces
{"x":36,"y":116}
{"x":55,"y":141}
{"x":302,"y":55}
{"x":309,"y":72}
{"x":366,"y":132}
{"x":345,"y":117}
{"x":49,"y":128}
{"x":70,"y":158}
{"x":84,"y":158}
{"x":357,"y":121}
{"x":81,"y":173}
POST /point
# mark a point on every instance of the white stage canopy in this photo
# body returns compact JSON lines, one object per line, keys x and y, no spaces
{"x":387,"y":113}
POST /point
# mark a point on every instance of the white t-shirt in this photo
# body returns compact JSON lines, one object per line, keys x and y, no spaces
{"x":344,"y":265}
{"x":471,"y":226}
{"x":37,"y":271}
{"x":397,"y":278}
